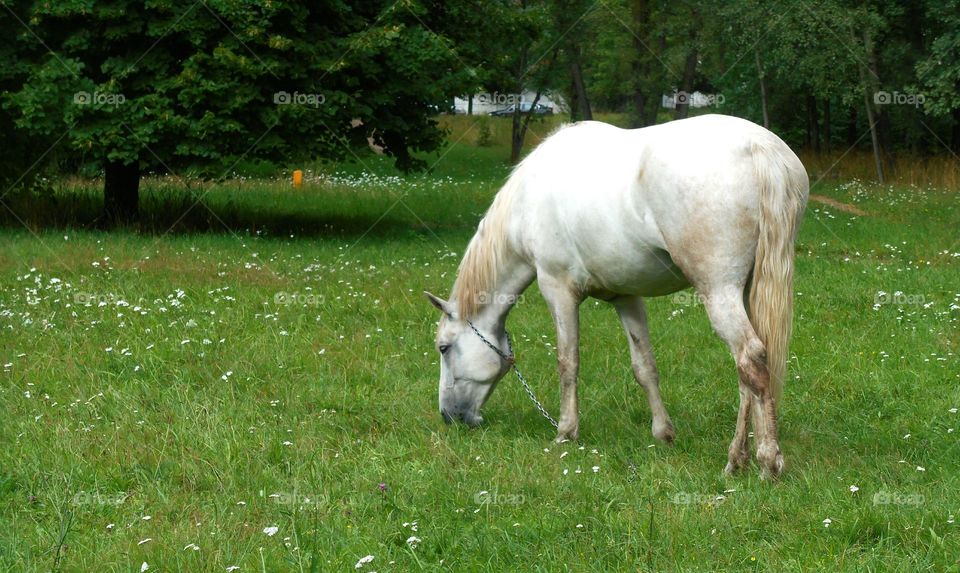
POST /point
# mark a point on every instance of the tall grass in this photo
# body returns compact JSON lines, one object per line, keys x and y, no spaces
{"x":941,"y":170}
{"x":349,"y":197}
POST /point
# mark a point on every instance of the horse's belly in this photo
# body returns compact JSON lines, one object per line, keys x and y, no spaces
{"x":643,"y":272}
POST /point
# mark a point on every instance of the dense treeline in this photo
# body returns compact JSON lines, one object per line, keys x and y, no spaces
{"x":818,"y":73}
{"x":121,"y":88}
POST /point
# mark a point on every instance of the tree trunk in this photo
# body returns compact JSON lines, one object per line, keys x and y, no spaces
{"x":686,"y":86}
{"x":518,"y":130}
{"x":763,"y":91}
{"x":826,"y":125}
{"x":656,"y":92}
{"x":121,"y":191}
{"x":516,"y":137}
{"x":955,"y":135}
{"x":470,"y":104}
{"x":813,"y":124}
{"x":573,"y":104}
{"x":852,"y":134}
{"x":580,"y":90}
{"x":640,"y":13}
{"x":882,"y":119}
{"x":639,"y":110}
{"x":521,"y":121}
{"x":877,"y":154}
{"x":690,"y":65}
{"x":868,"y":105}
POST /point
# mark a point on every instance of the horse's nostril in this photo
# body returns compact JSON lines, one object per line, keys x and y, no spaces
{"x":447,"y":418}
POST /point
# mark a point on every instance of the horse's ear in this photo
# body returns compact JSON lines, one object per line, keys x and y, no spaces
{"x":438,"y":302}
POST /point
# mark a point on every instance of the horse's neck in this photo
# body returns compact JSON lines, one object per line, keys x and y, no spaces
{"x":514,"y":277}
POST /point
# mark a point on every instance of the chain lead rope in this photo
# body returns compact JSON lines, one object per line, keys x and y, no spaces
{"x":510,"y":359}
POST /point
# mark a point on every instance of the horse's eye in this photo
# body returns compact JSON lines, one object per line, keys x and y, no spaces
{"x":443,"y":348}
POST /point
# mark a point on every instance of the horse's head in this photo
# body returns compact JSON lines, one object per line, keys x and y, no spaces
{"x":469,"y":368}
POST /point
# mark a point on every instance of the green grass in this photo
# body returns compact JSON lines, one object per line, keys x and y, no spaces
{"x":197,"y":394}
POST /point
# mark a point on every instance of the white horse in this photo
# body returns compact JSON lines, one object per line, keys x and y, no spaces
{"x":713,"y":202}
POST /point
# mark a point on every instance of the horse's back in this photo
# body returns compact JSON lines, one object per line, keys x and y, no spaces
{"x":641,"y":211}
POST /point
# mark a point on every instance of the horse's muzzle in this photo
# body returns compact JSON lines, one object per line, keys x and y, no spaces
{"x":468,"y":418}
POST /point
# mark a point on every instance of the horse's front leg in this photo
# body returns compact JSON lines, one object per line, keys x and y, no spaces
{"x":564,"y":304}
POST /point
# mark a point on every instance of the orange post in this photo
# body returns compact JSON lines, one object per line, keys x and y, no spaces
{"x":297,"y":178}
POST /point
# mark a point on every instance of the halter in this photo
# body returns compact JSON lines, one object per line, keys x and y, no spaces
{"x":510,"y":359}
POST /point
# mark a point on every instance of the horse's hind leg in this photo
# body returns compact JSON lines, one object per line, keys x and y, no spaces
{"x":728,"y":315}
{"x":633,"y":315}
{"x":738,"y":456}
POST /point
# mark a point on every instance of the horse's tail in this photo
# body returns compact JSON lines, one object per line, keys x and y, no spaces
{"x":784,"y":187}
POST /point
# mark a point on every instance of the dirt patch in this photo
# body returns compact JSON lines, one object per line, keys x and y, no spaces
{"x":839,"y":205}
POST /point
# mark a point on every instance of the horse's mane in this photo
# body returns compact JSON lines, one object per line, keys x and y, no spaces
{"x":481,"y":263}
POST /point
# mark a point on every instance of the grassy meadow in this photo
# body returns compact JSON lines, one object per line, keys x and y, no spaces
{"x":253,"y":387}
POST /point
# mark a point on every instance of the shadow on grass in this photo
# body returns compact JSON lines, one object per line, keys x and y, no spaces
{"x":188,"y":211}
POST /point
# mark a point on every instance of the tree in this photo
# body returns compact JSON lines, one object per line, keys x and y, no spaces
{"x":196,"y":87}
{"x":571,"y":24}
{"x":519,"y":66}
{"x":22,"y":155}
{"x":647,"y":84}
{"x":938,"y":71}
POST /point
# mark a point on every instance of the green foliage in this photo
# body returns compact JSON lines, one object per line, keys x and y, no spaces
{"x":195,"y":87}
{"x":812,"y":55}
{"x":23,"y":157}
{"x":484,"y":132}
{"x":938,"y":74}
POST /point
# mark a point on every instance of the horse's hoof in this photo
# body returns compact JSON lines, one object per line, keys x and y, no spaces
{"x":735,"y":466}
{"x":737,"y":459}
{"x":566,"y":436}
{"x":771,"y":461}
{"x":773,"y":471}
{"x":664,"y":432}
